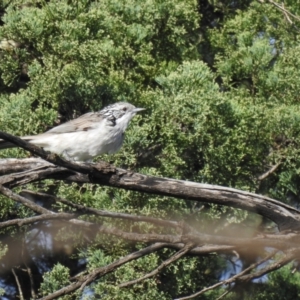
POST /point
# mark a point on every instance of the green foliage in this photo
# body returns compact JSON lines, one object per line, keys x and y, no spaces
{"x":57,"y":278}
{"x":83,"y":54}
{"x":203,"y":134}
{"x":190,"y":273}
{"x":97,"y":258}
{"x":258,"y":68}
{"x":107,"y":286}
{"x":14,"y":119}
{"x":277,"y":287}
{"x":282,"y":284}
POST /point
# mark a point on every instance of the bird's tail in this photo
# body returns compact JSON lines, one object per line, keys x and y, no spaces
{"x":6,"y":145}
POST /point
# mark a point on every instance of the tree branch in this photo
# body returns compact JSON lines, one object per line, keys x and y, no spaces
{"x":269,"y":172}
{"x":282,"y":9}
{"x":103,"y":173}
{"x":37,"y":208}
{"x":31,"y":220}
{"x":173,"y":258}
{"x":13,"y":165}
{"x":107,"y":214}
{"x":99,"y":272}
{"x":281,"y":242}
{"x":230,"y":280}
{"x":285,"y":216}
{"x":276,"y":265}
{"x":18,"y":284}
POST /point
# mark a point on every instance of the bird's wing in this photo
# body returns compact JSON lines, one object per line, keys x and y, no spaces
{"x":83,"y":123}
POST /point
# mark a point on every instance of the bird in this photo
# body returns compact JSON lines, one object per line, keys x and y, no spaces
{"x":87,"y":136}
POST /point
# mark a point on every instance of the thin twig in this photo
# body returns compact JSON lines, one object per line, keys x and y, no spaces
{"x":107,"y":214}
{"x":276,"y":265}
{"x":37,"y":208}
{"x":33,"y":294}
{"x":99,"y":272}
{"x":173,"y":258}
{"x":286,"y":15}
{"x":269,"y":172}
{"x":44,"y":217}
{"x":18,"y":284}
{"x":28,"y":270}
{"x":283,"y":9}
{"x":224,"y":294}
{"x":230,"y":280}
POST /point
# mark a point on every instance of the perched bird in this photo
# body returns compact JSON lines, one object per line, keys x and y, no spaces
{"x":91,"y":134}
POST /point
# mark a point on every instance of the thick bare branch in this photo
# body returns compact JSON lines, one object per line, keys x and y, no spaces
{"x":17,"y":172}
{"x":285,"y":216}
{"x":205,"y":249}
{"x":13,"y":165}
{"x":227,"y":243}
{"x":104,"y":173}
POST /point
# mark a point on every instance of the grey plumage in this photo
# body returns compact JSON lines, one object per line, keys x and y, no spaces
{"x":91,"y":134}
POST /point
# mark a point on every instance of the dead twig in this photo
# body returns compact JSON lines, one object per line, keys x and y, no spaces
{"x":230,"y":280}
{"x":286,"y":12}
{"x":167,"y":262}
{"x":99,"y":272}
{"x":18,"y":284}
{"x":37,"y":208}
{"x":31,"y":220}
{"x":105,"y":213}
{"x":269,"y":172}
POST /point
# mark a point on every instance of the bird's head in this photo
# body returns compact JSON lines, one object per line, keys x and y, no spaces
{"x":122,"y":112}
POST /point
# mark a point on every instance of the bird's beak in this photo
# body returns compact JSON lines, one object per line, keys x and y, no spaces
{"x":138,"y":109}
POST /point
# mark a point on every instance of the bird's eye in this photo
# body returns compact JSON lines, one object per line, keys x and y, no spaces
{"x":124,"y":108}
